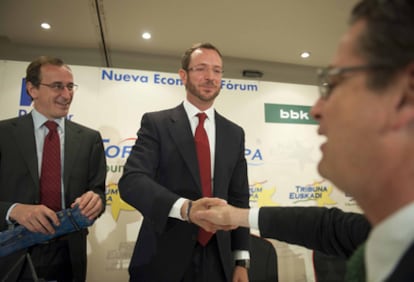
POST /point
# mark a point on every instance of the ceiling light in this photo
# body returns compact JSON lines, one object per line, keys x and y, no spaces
{"x":146,"y":35}
{"x":305,"y":55}
{"x":45,"y":26}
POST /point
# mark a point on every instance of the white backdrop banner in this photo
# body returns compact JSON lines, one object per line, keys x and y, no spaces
{"x":282,"y":149}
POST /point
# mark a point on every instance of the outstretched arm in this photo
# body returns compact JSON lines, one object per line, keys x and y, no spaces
{"x":329,"y":230}
{"x":224,"y":215}
{"x":192,"y":209}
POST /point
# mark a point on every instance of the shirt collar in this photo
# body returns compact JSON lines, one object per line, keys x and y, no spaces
{"x":39,"y":120}
{"x":192,"y":110}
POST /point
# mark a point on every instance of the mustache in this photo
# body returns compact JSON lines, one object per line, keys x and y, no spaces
{"x":209,"y":83}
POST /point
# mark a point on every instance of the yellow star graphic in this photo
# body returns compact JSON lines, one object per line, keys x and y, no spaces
{"x":117,"y":204}
{"x":264,"y":195}
{"x":325,"y":199}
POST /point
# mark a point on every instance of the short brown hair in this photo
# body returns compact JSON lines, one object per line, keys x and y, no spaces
{"x":33,"y":74}
{"x":185,"y":61}
{"x":388,"y":39}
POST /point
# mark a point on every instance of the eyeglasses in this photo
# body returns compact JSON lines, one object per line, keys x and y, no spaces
{"x":203,"y":69}
{"x":59,"y":86}
{"x":330,"y":77}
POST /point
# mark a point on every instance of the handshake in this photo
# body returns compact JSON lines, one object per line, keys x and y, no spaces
{"x":213,"y":214}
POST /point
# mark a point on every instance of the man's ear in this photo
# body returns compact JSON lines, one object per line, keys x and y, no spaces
{"x":183,"y":75}
{"x":31,"y":90}
{"x":405,"y":109}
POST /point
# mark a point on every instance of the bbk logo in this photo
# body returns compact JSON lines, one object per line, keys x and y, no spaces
{"x":279,"y":113}
{"x":291,"y":114}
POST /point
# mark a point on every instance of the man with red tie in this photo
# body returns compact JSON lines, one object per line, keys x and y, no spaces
{"x":48,"y":163}
{"x":185,"y":159}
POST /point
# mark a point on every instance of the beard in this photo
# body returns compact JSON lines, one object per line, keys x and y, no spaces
{"x":193,"y":90}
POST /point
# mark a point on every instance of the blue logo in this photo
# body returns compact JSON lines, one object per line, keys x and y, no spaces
{"x":25,"y":99}
{"x":253,"y":157}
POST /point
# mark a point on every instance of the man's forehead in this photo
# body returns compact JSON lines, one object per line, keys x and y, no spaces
{"x":198,"y":56}
{"x":347,"y":52}
{"x":53,"y":71}
{"x":198,"y":51}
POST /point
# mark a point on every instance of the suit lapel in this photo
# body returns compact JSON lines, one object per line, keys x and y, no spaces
{"x":219,"y":158}
{"x":404,"y":270}
{"x":25,"y":140}
{"x":180,"y":131}
{"x":72,"y":146}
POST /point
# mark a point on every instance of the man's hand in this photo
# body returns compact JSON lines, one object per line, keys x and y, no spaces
{"x":90,"y":204}
{"x":36,"y":218}
{"x":240,"y":274}
{"x":223,"y":215}
{"x":202,"y":205}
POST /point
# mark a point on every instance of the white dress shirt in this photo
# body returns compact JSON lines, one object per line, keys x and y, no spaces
{"x":388,"y":242}
{"x":210,"y":127}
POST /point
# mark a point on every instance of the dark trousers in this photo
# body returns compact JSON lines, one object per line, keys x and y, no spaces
{"x":206,"y":265}
{"x":51,"y":262}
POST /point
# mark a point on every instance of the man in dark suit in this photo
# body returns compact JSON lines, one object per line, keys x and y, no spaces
{"x":49,"y":83}
{"x":161,"y":179}
{"x":366,"y":112}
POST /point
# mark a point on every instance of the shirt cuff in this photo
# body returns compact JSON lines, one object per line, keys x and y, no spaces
{"x":240,"y":255}
{"x":8,"y":214}
{"x":254,"y":218}
{"x":175,"y":211}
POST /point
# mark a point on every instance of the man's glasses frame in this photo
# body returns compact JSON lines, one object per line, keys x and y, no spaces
{"x":330,"y":77}
{"x":59,"y":86}
{"x":204,"y":69}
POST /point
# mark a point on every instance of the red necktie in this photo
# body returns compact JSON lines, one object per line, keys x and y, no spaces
{"x":204,"y":163}
{"x":50,"y":176}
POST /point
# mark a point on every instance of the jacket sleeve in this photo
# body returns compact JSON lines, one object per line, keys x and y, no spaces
{"x":97,"y":171}
{"x":140,"y":185}
{"x":329,"y":230}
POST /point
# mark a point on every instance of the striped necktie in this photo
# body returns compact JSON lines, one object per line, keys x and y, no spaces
{"x":355,"y":268}
{"x":50,"y":176}
{"x":204,"y":164}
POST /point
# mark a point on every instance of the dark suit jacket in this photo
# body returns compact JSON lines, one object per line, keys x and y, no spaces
{"x":84,"y":169}
{"x":330,"y":231}
{"x":263,"y":260}
{"x":163,"y":167}
{"x":404,"y":271}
